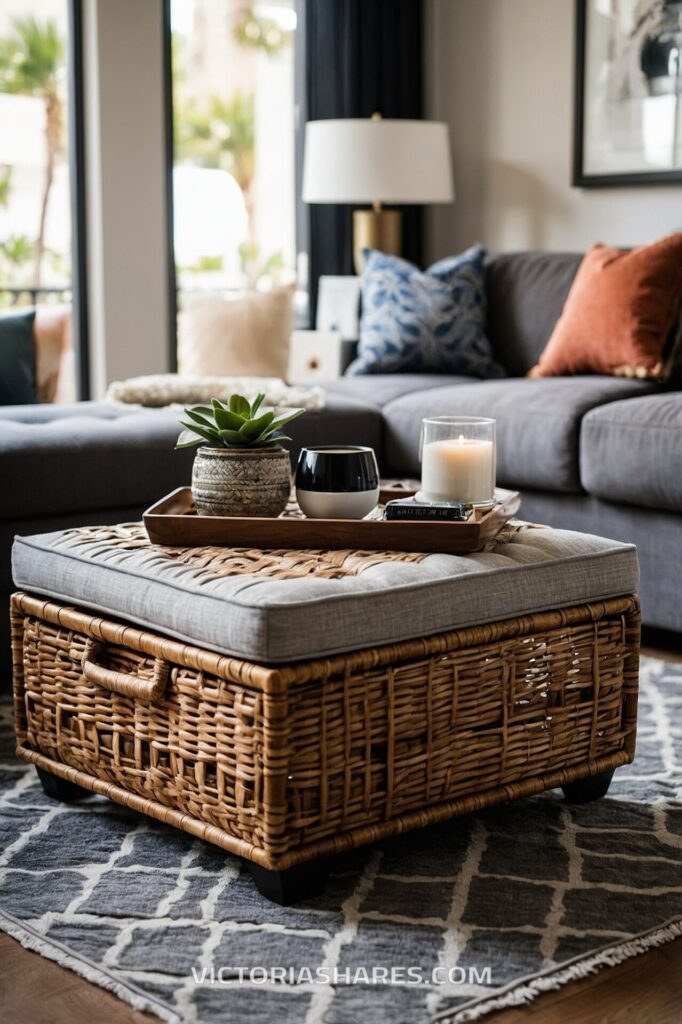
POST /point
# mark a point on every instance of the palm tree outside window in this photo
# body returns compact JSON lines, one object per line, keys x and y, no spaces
{"x":35,"y":184}
{"x":233,"y":145}
{"x":34,"y":177}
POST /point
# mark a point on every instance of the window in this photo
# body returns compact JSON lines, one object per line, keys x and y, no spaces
{"x":233,"y":129}
{"x":35,"y":205}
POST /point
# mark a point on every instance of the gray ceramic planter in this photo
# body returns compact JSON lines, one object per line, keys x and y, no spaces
{"x":241,"y":481}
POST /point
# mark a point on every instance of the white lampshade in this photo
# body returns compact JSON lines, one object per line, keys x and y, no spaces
{"x":356,"y":160}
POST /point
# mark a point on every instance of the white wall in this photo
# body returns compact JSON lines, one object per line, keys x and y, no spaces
{"x":126,"y":180}
{"x":501,"y":73}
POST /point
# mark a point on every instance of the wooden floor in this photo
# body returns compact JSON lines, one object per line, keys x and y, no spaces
{"x":34,"y":990}
{"x":644,"y":990}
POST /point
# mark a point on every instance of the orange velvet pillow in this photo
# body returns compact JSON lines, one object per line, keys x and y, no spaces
{"x":619,"y":314}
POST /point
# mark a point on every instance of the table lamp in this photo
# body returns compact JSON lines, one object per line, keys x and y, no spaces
{"x":377,"y":160}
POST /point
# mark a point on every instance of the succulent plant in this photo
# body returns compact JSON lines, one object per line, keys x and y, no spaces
{"x":234,"y":424}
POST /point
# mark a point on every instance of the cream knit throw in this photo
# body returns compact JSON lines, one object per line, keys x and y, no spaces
{"x":172,"y":389}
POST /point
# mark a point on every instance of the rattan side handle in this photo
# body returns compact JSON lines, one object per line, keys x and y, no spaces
{"x":120,"y":682}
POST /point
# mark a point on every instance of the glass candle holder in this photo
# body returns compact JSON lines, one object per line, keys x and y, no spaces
{"x":458,"y":459}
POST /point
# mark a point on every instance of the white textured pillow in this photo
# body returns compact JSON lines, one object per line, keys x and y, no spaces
{"x":163,"y":389}
{"x":248,"y":336}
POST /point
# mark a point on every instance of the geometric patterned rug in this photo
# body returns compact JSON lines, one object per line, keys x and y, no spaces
{"x":443,"y":924}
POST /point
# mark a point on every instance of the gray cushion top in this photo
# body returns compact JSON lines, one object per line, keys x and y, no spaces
{"x":632,"y":451}
{"x":47,"y":412}
{"x":381,"y":388}
{"x":538,"y":424}
{"x":371,"y":602}
{"x":96,"y":455}
{"x":88,"y":460}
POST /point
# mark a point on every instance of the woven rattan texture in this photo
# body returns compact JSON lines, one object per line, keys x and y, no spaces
{"x":216,"y":562}
{"x":348,"y":745}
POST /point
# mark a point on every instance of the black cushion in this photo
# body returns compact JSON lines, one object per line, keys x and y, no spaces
{"x":17,"y":358}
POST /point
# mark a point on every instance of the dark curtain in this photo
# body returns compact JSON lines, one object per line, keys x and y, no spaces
{"x":361,"y":56}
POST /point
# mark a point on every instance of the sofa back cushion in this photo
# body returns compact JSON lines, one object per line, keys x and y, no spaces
{"x":526,"y":292}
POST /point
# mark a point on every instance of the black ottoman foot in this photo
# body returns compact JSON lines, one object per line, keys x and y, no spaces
{"x":594,"y":787}
{"x":60,"y":789}
{"x":303,"y":882}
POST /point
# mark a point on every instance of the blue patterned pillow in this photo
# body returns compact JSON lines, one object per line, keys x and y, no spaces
{"x":430,"y":322}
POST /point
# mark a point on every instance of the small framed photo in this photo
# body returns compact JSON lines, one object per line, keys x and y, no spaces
{"x":338,"y":305}
{"x":628,"y":93}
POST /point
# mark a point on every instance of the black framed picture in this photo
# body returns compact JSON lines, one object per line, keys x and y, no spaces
{"x":628,"y":93}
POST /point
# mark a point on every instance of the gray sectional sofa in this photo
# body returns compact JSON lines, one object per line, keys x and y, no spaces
{"x":596,"y":454}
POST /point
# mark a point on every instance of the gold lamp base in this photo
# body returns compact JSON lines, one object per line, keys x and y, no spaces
{"x":376,"y":229}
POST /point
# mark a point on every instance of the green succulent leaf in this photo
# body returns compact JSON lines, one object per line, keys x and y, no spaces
{"x":207,"y":433}
{"x":272,"y":443}
{"x":232,"y":439}
{"x":188,"y":439}
{"x":234,"y":424}
{"x":227,"y":420}
{"x":199,"y":418}
{"x":256,"y":404}
{"x":240,"y":405}
{"x":253,"y":429}
{"x":266,"y":436}
{"x":293,"y":415}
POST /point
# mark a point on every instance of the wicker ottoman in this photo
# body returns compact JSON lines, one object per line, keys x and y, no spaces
{"x":289,"y":705}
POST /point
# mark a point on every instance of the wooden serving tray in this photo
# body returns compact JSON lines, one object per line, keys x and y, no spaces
{"x":174,"y":522}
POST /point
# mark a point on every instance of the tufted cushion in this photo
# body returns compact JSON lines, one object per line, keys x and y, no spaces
{"x":350,"y":602}
{"x":93,"y":455}
{"x":430,"y":322}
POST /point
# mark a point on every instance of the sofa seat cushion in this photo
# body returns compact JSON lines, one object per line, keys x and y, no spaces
{"x":95,"y":455}
{"x":382,"y":388}
{"x":632,"y":452}
{"x":538,"y":424}
{"x":272,"y":613}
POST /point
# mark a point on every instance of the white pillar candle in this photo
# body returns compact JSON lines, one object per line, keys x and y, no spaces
{"x":460,"y":469}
